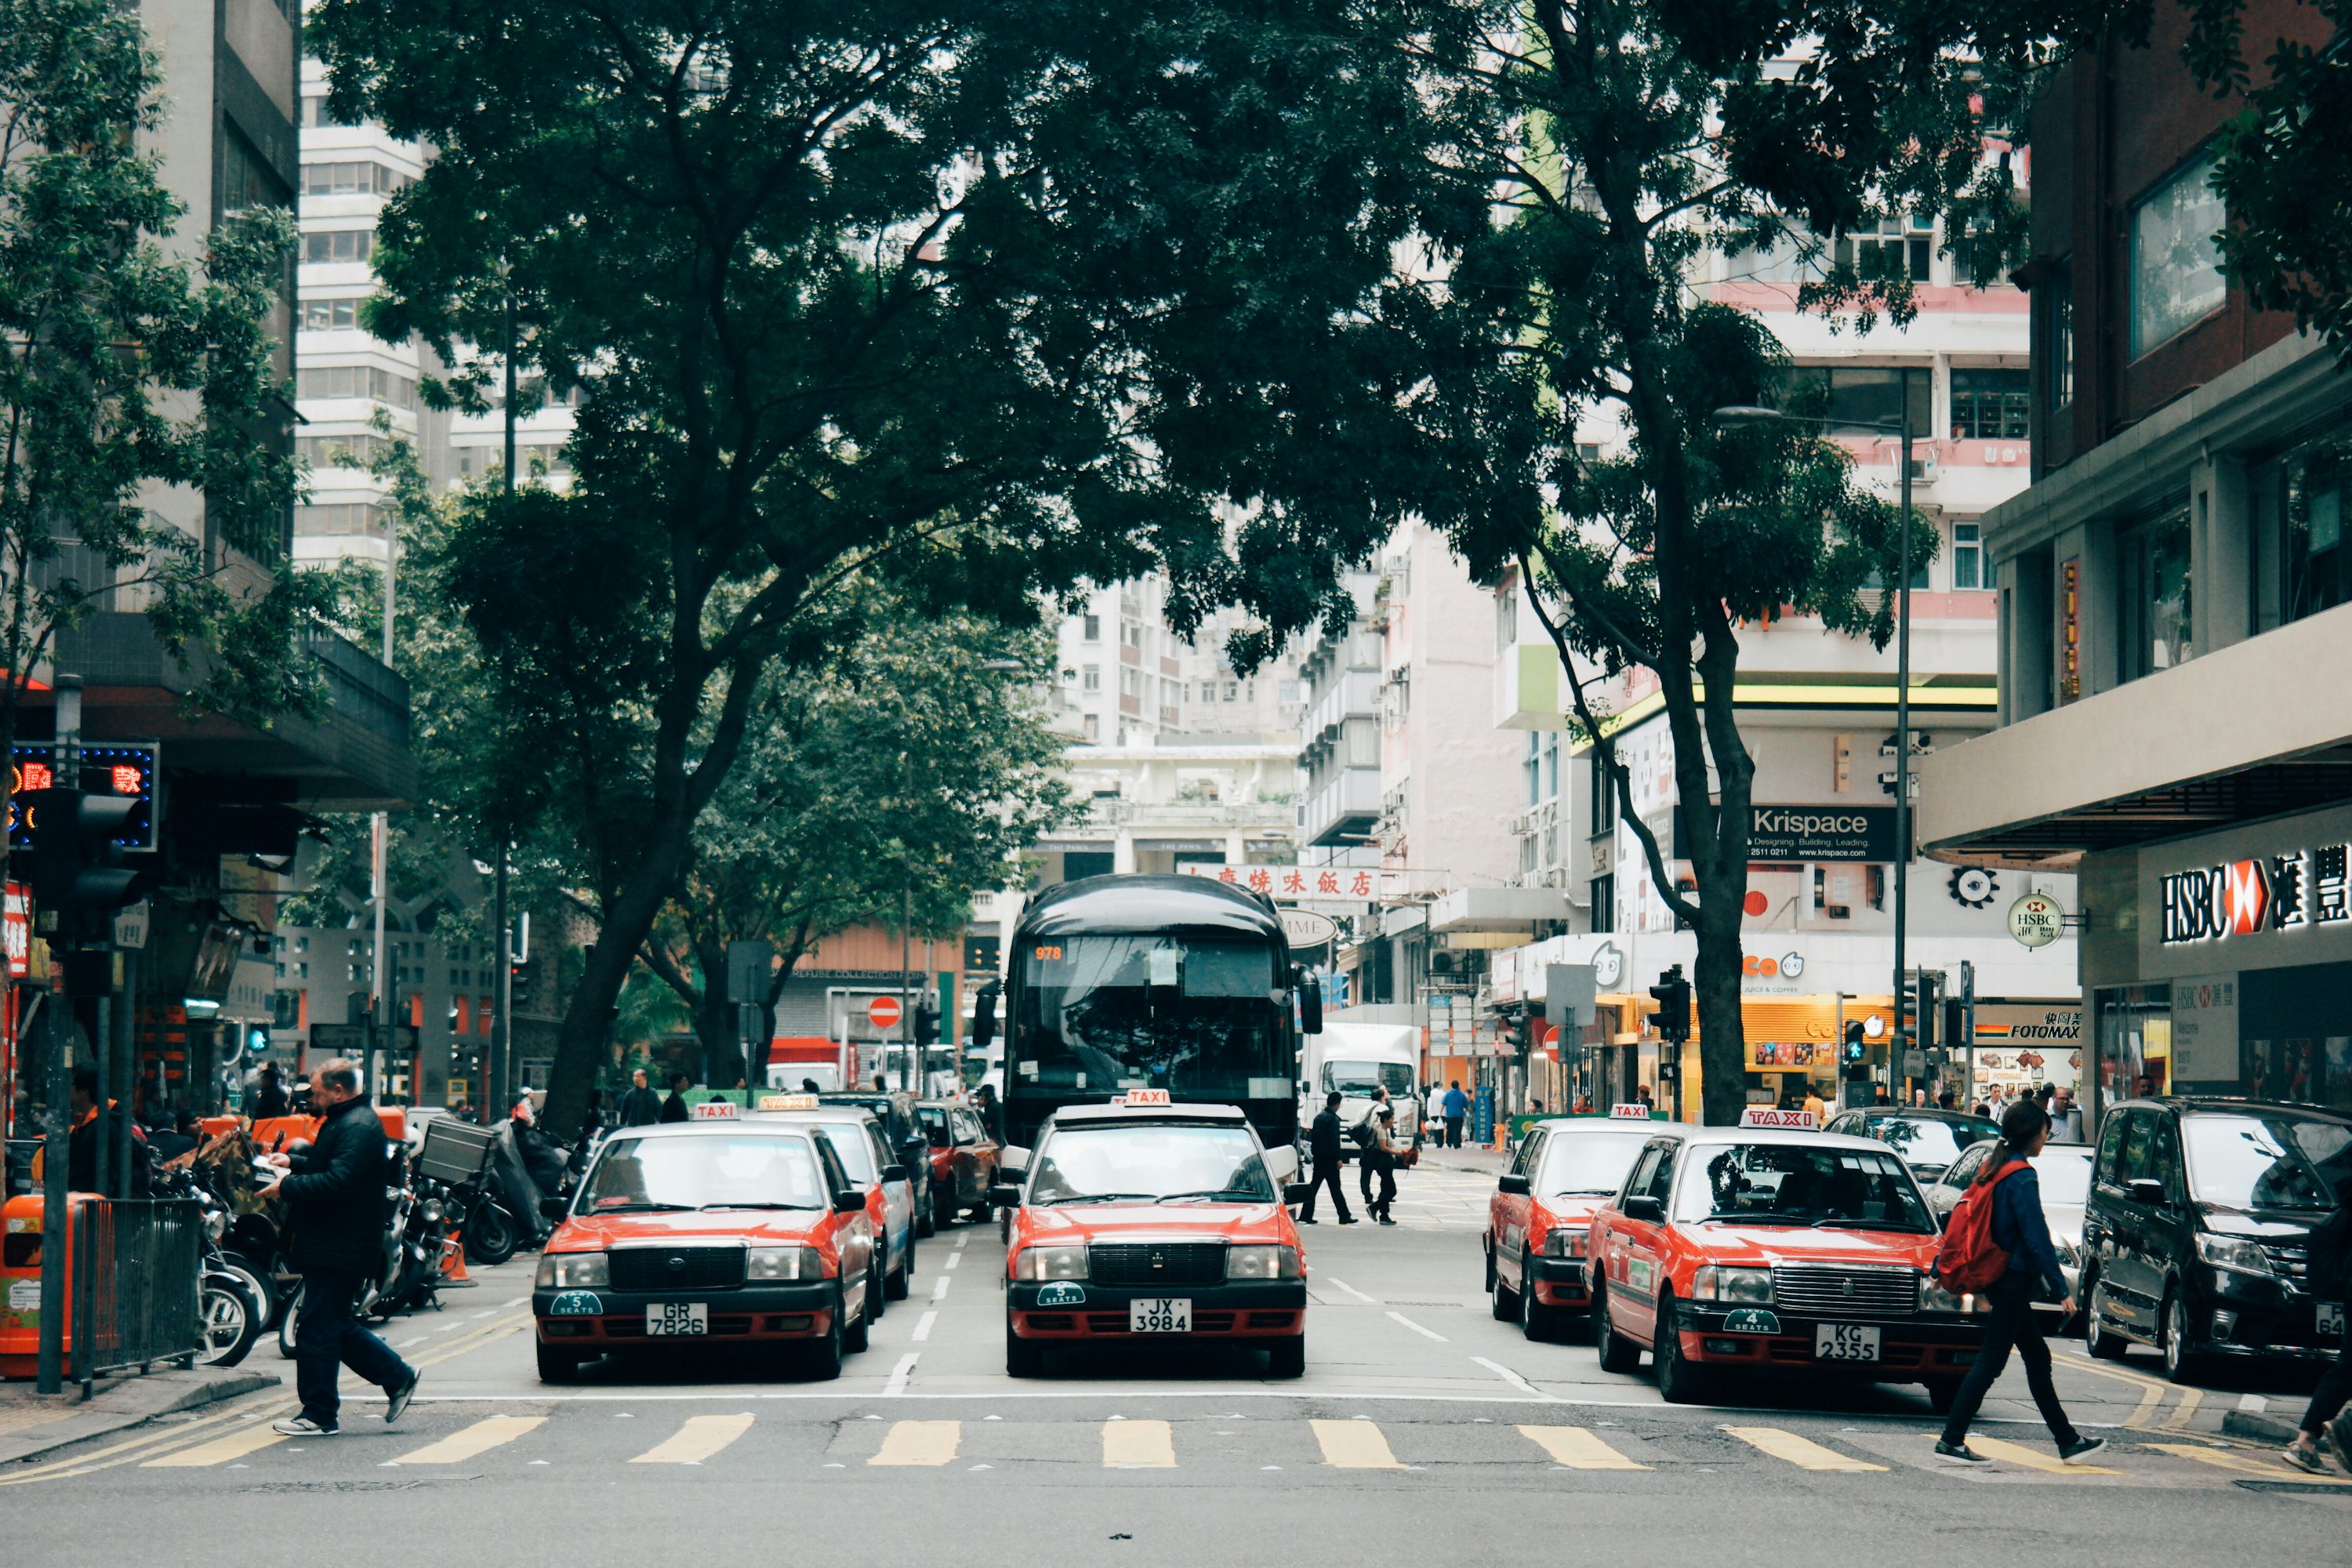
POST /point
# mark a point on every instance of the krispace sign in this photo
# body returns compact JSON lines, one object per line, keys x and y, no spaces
{"x":2275,"y":892}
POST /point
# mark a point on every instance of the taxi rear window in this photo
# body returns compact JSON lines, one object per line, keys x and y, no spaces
{"x":1794,"y":1184}
{"x":643,"y":1174}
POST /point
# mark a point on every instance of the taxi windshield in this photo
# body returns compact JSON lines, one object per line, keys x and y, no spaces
{"x":857,"y":1151}
{"x":1595,"y":1163}
{"x":712,"y":1172}
{"x":1093,"y":1164}
{"x":1789,"y":1183}
{"x":1927,"y":1146}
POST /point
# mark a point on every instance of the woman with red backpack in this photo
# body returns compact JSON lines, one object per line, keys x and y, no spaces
{"x":1997,"y":1247}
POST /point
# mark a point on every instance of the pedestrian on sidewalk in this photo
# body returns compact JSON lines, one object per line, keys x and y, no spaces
{"x":641,"y":1107}
{"x":2019,"y":1230}
{"x":675,"y":1107}
{"x":1457,"y":1106}
{"x":2326,"y":1427}
{"x":269,"y":1098}
{"x":1379,"y":1160}
{"x":335,"y":1207}
{"x":1323,"y":1148}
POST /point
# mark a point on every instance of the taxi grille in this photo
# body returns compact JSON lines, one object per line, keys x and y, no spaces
{"x":1825,"y":1291}
{"x":1157,"y":1263}
{"x":677,"y":1268}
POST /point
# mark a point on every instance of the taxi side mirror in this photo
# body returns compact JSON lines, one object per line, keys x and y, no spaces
{"x":893,"y":1172}
{"x":1513,"y":1185}
{"x":554,"y":1208}
{"x":1647,"y":1209}
{"x":1004,"y":1196}
{"x":1013,"y":1159}
{"x":849,"y":1200}
{"x":1297,"y":1192}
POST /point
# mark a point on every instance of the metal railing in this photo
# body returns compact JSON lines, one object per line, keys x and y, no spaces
{"x":138,"y":1264}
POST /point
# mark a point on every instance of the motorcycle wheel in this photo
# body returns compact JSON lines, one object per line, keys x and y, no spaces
{"x":491,"y":1235}
{"x":288,"y":1318}
{"x":257,"y":1288}
{"x":230,"y":1325}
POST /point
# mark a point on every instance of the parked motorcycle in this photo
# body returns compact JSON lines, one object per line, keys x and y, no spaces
{"x":233,"y":1304}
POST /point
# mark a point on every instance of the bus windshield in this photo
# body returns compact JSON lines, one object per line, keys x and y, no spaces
{"x":1149,"y":1010}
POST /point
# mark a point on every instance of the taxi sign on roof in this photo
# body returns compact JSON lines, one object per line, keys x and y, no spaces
{"x":1135,"y":1096}
{"x":1790,"y":1120}
{"x":1633,"y":1111}
{"x":788,"y":1103}
{"x":717,"y":1110}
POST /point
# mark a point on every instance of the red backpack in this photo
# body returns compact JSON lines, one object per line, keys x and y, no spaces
{"x":1967,"y":1262}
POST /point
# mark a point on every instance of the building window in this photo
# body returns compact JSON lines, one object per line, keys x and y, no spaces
{"x":1090,"y":678}
{"x":1604,"y":894}
{"x":1968,"y":555}
{"x":1604,"y":797}
{"x":1233,"y":690}
{"x":359,"y":179}
{"x":246,"y":178}
{"x":331,"y":451}
{"x":2317,"y":568}
{"x":339,"y":244}
{"x":315,"y":113}
{"x":1091,"y":628}
{"x":1552,"y":764}
{"x":2176,"y":265}
{"x":2156,"y":605}
{"x":2059,"y":290}
{"x":1900,"y":245}
{"x":326,"y":315}
{"x":1534,"y":766}
{"x":1989,"y":405}
{"x":356,"y":381}
{"x":1855,"y":399}
{"x":312,"y":520}
{"x":1093,"y":727}
{"x":1784,"y":260}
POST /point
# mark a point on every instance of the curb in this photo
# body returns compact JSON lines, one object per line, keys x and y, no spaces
{"x":130,"y":1402}
{"x":2257,"y":1427}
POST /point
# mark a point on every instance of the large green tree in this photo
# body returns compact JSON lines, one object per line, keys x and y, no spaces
{"x":970,"y":298}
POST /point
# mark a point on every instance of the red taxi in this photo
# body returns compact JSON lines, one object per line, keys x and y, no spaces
{"x":1769,"y":1246}
{"x":1142,"y":1222}
{"x":740,"y":1230}
{"x":1539,"y":1218}
{"x":964,"y":1160}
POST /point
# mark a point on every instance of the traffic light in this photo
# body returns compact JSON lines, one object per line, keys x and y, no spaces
{"x":926,"y":1020}
{"x":1925,"y":1016}
{"x":1516,"y":1034}
{"x":79,"y":880}
{"x":518,"y":984}
{"x":1956,"y":1024}
{"x":1857,"y":1045}
{"x":1672,"y":996}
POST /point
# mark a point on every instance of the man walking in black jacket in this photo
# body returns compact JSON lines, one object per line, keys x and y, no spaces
{"x":335,"y":1211}
{"x":641,"y":1107}
{"x":1323,"y":1148}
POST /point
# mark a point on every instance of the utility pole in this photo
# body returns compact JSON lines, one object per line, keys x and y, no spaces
{"x":379,"y":851}
{"x":498,"y":1097}
{"x":1902,"y":757}
{"x":56,"y":1033}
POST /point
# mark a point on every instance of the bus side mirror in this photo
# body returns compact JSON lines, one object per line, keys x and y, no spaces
{"x":983,"y":1016}
{"x":1310,"y":1006}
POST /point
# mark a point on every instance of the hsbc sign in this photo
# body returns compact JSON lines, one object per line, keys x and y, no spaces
{"x":2273,"y":892}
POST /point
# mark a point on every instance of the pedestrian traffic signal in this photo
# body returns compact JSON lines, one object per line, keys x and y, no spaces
{"x":1672,"y":996}
{"x":1857,"y":1045}
{"x":79,"y":879}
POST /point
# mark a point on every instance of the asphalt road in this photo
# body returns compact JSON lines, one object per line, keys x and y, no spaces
{"x":1423,"y":1430}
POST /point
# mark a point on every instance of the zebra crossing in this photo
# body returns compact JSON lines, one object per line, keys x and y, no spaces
{"x":1356,"y":1447}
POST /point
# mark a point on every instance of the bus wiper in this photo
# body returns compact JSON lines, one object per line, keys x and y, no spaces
{"x":1097,"y":1198}
{"x":1212,"y":1194}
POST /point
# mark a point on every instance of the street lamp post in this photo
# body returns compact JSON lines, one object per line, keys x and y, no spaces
{"x":1751,"y":415}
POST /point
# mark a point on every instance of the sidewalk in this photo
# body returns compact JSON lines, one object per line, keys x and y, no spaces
{"x":1480,"y":1161}
{"x":31,"y":1424}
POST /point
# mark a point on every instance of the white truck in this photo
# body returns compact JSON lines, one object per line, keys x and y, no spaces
{"x":1355,"y":1060}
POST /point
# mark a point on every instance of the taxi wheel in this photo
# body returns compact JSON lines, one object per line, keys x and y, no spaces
{"x":1489,"y":1250}
{"x":925,"y":1219}
{"x":1679,"y":1383}
{"x":1287,"y":1358}
{"x":558,"y":1366}
{"x":900,"y":1281}
{"x":1023,"y":1359}
{"x":1617,"y":1352}
{"x":857,"y":1331}
{"x":1505,"y":1304}
{"x":943,"y":1214}
{"x":1537,"y":1321}
{"x":825,"y":1355}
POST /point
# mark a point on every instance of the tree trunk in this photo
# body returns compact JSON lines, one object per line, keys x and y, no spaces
{"x":585,"y":1033}
{"x":722,"y":1046}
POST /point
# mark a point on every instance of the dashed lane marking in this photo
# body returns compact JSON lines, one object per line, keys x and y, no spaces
{"x":923,"y":1327}
{"x":1578,"y":1449}
{"x":1137,"y":1446}
{"x":218,"y":1450}
{"x":1416,"y":1327}
{"x":1354,"y":1446}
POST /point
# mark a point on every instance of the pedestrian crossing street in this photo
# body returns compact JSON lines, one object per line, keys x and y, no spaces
{"x":1355,"y":1447}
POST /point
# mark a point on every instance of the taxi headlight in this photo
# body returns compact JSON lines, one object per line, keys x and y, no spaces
{"x":1050,"y":1263}
{"x":573,"y":1271}
{"x":1559,"y":1243}
{"x":784,"y":1263}
{"x":1751,"y":1286}
{"x":1934,"y":1297}
{"x":1262,"y":1263}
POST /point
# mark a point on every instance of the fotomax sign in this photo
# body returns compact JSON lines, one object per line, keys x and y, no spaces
{"x":2275,"y":892}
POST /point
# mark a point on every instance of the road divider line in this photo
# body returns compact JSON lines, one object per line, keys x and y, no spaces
{"x":2151,"y":1402}
{"x":2189,"y":1399}
{"x":940,"y":1288}
{"x":1578,"y":1449}
{"x":900,"y":1374}
{"x":1351,"y":1291}
{"x":931,"y":1442}
{"x":491,"y":1432}
{"x":1354,"y":1446}
{"x":218,"y":1450}
{"x":2244,"y":1465}
{"x":694,"y":1441}
{"x":1416,"y":1327}
{"x":2033,"y":1458}
{"x":923,"y":1327}
{"x":1507,"y":1376}
{"x":132,"y":1450}
{"x":1139,"y":1445}
{"x":1801,"y":1452}
{"x":953,"y":1259}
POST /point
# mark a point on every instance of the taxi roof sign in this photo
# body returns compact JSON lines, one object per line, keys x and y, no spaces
{"x":1631,"y":1110}
{"x":1790,"y":1120}
{"x":717,"y":1110}
{"x":787,"y":1102}
{"x":1135,"y":1096}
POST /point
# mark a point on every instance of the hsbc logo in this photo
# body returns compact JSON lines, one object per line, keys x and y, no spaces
{"x":2277,"y":892}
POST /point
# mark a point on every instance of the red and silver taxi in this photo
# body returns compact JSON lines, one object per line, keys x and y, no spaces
{"x":1772,"y":1247}
{"x":1539,"y":1220}
{"x":704,"y":1230}
{"x":964,"y":1160}
{"x":1142,"y":1222}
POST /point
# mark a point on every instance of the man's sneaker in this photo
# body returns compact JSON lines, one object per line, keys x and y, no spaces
{"x":303,"y":1426}
{"x":2070,"y":1452}
{"x":2307,"y":1460}
{"x":1958,"y":1453}
{"x":397,"y":1397}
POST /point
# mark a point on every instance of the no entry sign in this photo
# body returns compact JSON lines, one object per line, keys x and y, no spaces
{"x":884,"y":1012}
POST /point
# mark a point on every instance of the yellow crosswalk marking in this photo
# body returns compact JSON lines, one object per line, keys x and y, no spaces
{"x":1137,"y":1446}
{"x":2032,"y":1458}
{"x":697,"y":1440}
{"x":1354,"y":1446}
{"x":220,"y":1450}
{"x":1801,"y":1452}
{"x":918,"y":1442}
{"x":2244,"y":1464}
{"x":468,"y":1441}
{"x":1578,"y":1449}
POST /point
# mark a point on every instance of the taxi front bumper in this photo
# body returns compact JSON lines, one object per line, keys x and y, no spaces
{"x":1246,"y":1309}
{"x":1559,"y":1282}
{"x":794,"y":1311}
{"x":1922,"y":1347}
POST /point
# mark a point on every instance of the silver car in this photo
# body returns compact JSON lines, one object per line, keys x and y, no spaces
{"x":2064,"y":1172}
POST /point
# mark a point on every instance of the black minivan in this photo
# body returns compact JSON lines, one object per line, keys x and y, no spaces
{"x":2197,"y":1228}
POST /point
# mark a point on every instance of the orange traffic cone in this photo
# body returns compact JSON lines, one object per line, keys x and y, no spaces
{"x":452,"y":1261}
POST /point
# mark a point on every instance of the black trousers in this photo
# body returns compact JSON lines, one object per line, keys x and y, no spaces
{"x":1454,"y":1132}
{"x":2335,"y":1386}
{"x":2010,"y":1324}
{"x":329,"y":1336}
{"x":1379,"y":1204}
{"x":1326,"y":1175}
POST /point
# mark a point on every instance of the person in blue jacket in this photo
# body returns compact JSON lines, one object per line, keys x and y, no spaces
{"x":2019,"y":1230}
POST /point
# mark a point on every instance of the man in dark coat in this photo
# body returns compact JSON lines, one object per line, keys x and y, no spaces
{"x":640,"y":1106}
{"x":269,"y":1095}
{"x":336,"y":1214}
{"x":1323,"y":1148}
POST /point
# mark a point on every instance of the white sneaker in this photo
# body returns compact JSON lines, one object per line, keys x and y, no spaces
{"x":303,"y":1426}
